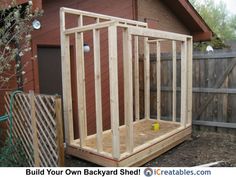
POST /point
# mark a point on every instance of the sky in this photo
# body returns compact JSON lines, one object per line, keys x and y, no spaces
{"x":231,"y":5}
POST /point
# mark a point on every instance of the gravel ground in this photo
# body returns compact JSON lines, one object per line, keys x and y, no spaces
{"x":202,"y":148}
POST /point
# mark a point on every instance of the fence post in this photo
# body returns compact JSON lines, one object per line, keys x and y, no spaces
{"x":34,"y":130}
{"x":59,"y":131}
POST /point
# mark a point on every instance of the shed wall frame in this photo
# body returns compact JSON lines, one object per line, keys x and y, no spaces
{"x":133,"y":143}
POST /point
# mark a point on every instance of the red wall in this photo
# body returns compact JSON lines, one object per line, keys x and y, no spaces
{"x":49,"y":35}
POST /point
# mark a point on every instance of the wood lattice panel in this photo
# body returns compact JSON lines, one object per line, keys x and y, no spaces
{"x":37,"y":122}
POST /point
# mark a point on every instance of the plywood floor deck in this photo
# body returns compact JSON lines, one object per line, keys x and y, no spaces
{"x":143,"y":133}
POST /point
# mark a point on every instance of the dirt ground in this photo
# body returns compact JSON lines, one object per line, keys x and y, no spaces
{"x":202,"y":148}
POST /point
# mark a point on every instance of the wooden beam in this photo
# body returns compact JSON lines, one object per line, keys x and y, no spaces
{"x":128,"y":89}
{"x":80,"y":29}
{"x":34,"y":130}
{"x":145,"y":32}
{"x":202,"y":36}
{"x":80,"y":23}
{"x":196,"y":17}
{"x":98,"y":88}
{"x":136,"y":78}
{"x":81,"y":90}
{"x":59,"y":131}
{"x":190,"y":79}
{"x":174,"y":81}
{"x":175,"y":141}
{"x":114,"y":99}
{"x":101,"y":16}
{"x":146,"y":79}
{"x":66,"y":82}
{"x":184,"y":83}
{"x":200,"y":90}
{"x":215,"y":90}
{"x":220,"y":56}
{"x":156,"y":40}
{"x":199,"y":56}
{"x":89,"y":156}
{"x":158,"y":77}
{"x":157,"y":140}
{"x":214,"y":124}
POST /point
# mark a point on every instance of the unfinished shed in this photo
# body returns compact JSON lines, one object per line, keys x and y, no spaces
{"x":133,"y":142}
{"x":167,"y":15}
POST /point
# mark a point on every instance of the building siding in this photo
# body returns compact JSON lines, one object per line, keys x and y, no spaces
{"x":49,"y":35}
{"x":166,"y":20}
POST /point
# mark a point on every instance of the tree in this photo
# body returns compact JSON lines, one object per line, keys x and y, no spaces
{"x":15,"y":37}
{"x":233,"y":24}
{"x":218,"y":18}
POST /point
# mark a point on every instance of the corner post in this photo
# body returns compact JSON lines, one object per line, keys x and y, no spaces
{"x":66,"y":81}
{"x":190,"y":79}
{"x":128,"y":89}
{"x":184,"y":83}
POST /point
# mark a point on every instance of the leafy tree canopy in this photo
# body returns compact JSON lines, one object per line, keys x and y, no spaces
{"x":15,"y":37}
{"x":218,"y":18}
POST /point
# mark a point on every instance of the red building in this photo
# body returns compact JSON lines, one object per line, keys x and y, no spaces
{"x":44,"y":74}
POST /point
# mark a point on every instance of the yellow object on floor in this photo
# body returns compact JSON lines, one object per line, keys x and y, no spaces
{"x":156,"y":126}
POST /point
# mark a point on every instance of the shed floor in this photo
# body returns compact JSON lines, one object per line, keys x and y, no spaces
{"x":222,"y":148}
{"x":143,"y":133}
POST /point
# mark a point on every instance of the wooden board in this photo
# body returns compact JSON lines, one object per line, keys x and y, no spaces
{"x":113,"y":80}
{"x":128,"y":144}
{"x":143,"y":134}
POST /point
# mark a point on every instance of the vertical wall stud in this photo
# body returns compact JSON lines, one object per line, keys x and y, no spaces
{"x":184,"y":83}
{"x":128,"y":89}
{"x":136,"y":78}
{"x":190,"y":65}
{"x":158,"y":77}
{"x":81,"y":90}
{"x":146,"y":78}
{"x":114,"y":99}
{"x":98,"y":90}
{"x":174,"y":80}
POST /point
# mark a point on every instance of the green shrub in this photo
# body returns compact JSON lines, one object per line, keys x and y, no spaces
{"x":12,"y":154}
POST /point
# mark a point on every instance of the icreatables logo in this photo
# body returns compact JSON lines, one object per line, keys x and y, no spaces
{"x":148,"y":172}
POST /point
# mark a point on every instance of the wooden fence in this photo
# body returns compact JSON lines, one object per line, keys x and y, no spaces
{"x":37,"y":123}
{"x":214,"y":88}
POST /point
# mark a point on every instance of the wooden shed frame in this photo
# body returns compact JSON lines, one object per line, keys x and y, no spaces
{"x":133,"y":154}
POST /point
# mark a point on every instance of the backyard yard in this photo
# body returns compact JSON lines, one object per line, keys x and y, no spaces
{"x":202,"y":148}
{"x":115,"y":87}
